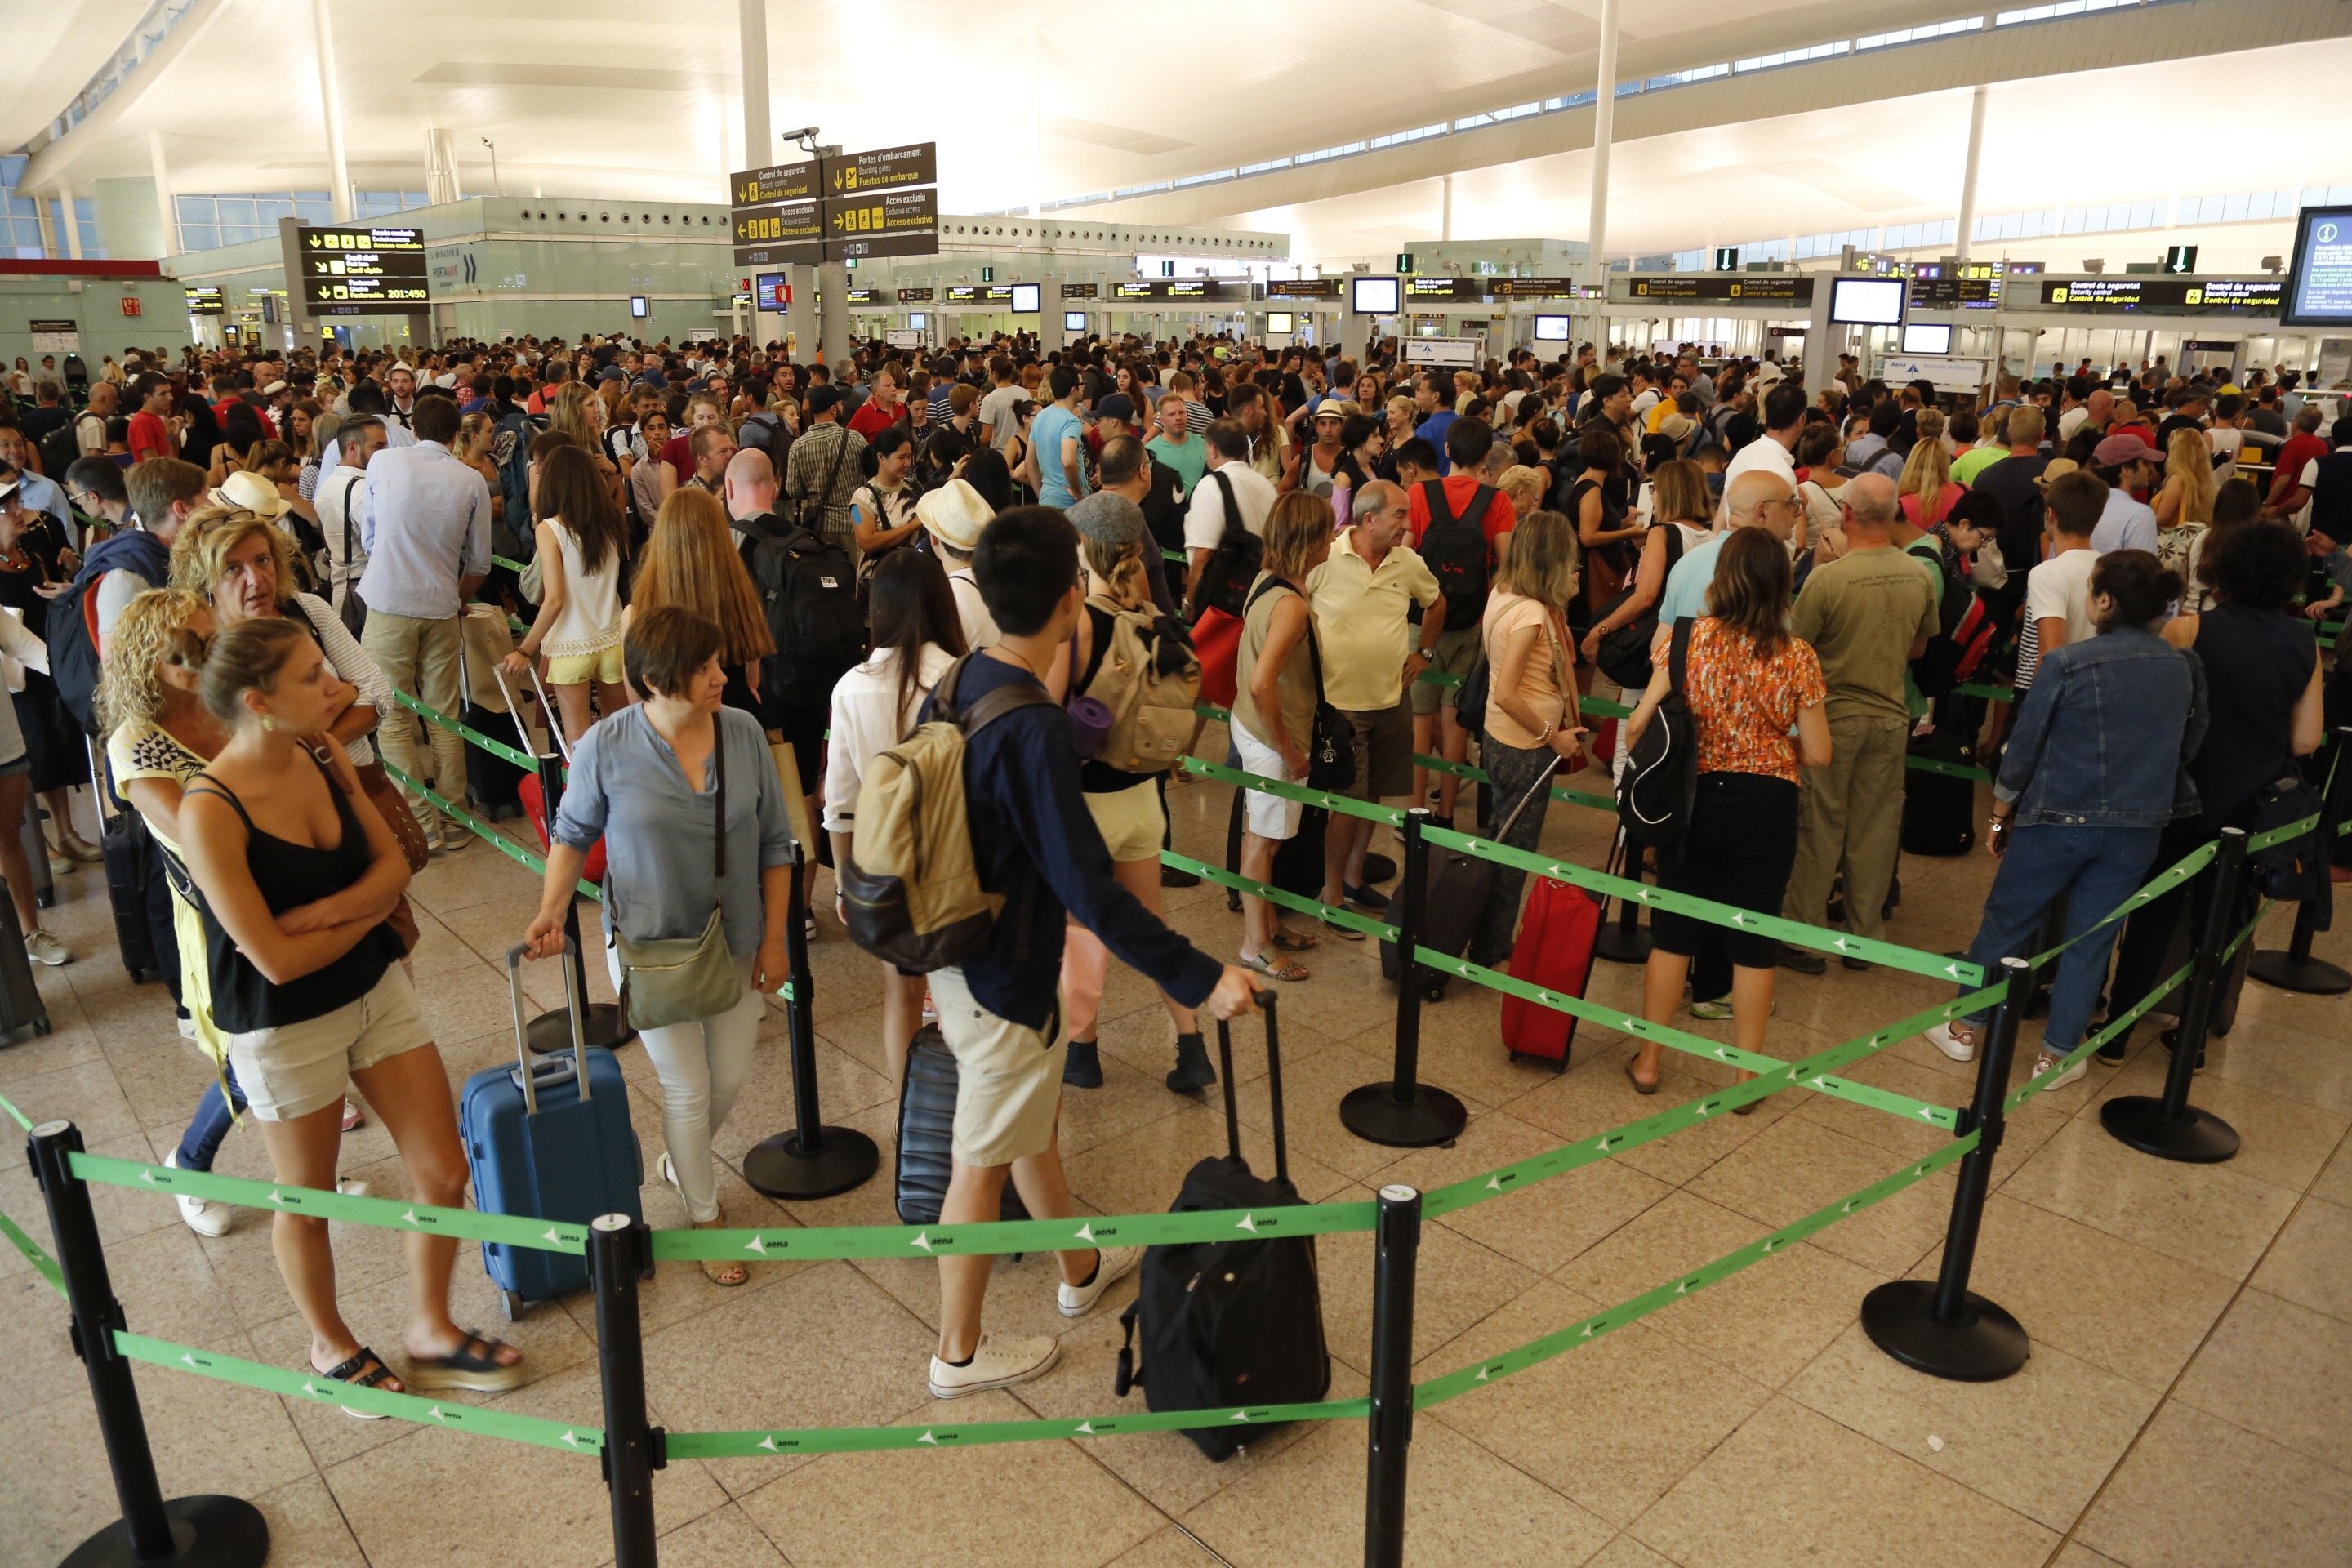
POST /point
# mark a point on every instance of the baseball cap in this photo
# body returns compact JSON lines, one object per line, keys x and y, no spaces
{"x":1116,"y":405}
{"x":2116,"y":450}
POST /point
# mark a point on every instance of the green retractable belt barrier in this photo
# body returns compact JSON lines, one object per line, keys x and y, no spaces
{"x":772,"y":1444}
{"x":535,"y":865}
{"x":43,"y":1264}
{"x":1346,"y":806}
{"x":522,"y":760}
{"x":1305,"y":906}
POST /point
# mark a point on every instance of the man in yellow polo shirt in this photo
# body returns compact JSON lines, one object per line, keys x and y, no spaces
{"x":1362,"y":597}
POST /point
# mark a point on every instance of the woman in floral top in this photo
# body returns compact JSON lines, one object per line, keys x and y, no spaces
{"x":1747,"y":683}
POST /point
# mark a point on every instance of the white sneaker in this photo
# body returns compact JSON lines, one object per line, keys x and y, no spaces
{"x":1958,"y":1048}
{"x":350,"y":1186}
{"x":42,"y":947}
{"x":187,"y":1026}
{"x":1112,"y":1264}
{"x":996,"y":1363}
{"x":201,"y":1215}
{"x":455,"y":836}
{"x":2045,"y":1066}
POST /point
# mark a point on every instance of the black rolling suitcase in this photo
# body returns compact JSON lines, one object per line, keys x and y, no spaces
{"x":1939,"y":812}
{"x":1459,"y":885}
{"x":925,"y":1122}
{"x":1229,"y":1322}
{"x":20,"y":1002}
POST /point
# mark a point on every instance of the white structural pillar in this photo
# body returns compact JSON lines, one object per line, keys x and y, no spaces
{"x":760,"y":146}
{"x":331,"y":98}
{"x":832,"y":309}
{"x":72,"y":226}
{"x":50,"y":244}
{"x":1969,"y":172}
{"x":1604,"y":127}
{"x":449,"y":166}
{"x":1445,"y":210}
{"x":167,"y":212}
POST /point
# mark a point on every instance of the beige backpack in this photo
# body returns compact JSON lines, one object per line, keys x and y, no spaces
{"x":910,"y":886}
{"x":1149,"y":679}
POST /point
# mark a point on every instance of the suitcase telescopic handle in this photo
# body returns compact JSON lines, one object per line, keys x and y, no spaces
{"x":572,"y":1012}
{"x":1265,"y":1001}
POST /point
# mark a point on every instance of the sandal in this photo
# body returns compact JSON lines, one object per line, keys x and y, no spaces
{"x":1638,"y":1086}
{"x":365,"y":1368}
{"x":724,"y":1272}
{"x":1263,"y":965}
{"x":1295,"y":941}
{"x":1345,"y":933}
{"x":466,"y":1367}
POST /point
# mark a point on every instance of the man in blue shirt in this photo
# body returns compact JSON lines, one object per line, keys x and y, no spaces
{"x":1057,"y":441}
{"x":426,"y":532}
{"x":1432,"y":394}
{"x":38,"y":494}
{"x":1035,"y":844}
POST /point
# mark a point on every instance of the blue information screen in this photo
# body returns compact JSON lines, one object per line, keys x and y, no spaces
{"x":2319,"y":284}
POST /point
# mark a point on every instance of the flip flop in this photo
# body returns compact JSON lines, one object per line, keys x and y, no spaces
{"x":1638,"y":1086}
{"x":1259,"y":962}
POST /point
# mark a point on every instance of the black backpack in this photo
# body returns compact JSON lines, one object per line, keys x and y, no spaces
{"x":59,"y":448}
{"x":1661,"y":778}
{"x":73,"y":651}
{"x":1234,"y":1322}
{"x":1455,"y":551}
{"x":810,"y":592}
{"x":1232,"y":566}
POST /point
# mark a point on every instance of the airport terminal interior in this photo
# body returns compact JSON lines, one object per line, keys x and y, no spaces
{"x":1668,"y":676}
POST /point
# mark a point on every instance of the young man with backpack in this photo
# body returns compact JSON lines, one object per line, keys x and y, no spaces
{"x":119,"y":568}
{"x":1034,"y":846}
{"x":1460,"y":527}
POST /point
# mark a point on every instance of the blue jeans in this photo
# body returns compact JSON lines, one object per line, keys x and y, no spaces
{"x":2095,"y":868}
{"x":213,"y":1118}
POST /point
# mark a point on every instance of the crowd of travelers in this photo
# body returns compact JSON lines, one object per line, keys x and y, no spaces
{"x":759,"y":589}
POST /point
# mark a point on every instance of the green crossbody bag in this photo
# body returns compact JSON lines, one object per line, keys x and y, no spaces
{"x":680,"y":979}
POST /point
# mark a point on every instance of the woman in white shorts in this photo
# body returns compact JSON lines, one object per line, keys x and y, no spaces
{"x":1273,"y":714}
{"x":305,"y":989}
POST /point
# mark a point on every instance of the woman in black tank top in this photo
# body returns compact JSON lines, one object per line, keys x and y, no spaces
{"x":305,"y":987}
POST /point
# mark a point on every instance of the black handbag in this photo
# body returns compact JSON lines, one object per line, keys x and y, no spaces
{"x":2295,"y":868}
{"x":1331,"y":750}
{"x":1624,"y":655}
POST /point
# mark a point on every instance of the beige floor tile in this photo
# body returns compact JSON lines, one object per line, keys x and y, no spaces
{"x":855,"y":1359}
{"x":1905,"y":1137}
{"x":433,"y":1498}
{"x":1765,"y":1322}
{"x":1458,"y":1282}
{"x":66,"y":1045}
{"x":1311,"y":1091}
{"x":1627,"y":1553}
{"x":1464,"y":1508}
{"x":85,"y":1094}
{"x":2310,"y":1264}
{"x":2210,"y":1216}
{"x":167,"y":1290}
{"x":2287,"y":1046}
{"x":2039,"y":1442}
{"x":2277,"y":1370}
{"x":305,"y":1527}
{"x":1172,"y":1548}
{"x":1611,"y":1423}
{"x":2111,"y":1302}
{"x":2334,"y":1183}
{"x":365,"y":1255}
{"x":1133,"y":1095}
{"x":2186,"y":1497}
{"x":2077,"y":1555}
{"x":765,"y":1107}
{"x":1541,"y":1225}
{"x":952,"y":1506}
{"x":2284,"y":1141}
{"x":1139,"y":1172}
{"x":1594,"y":1097}
{"x":1797,"y":1166}
{"x":723,"y":1538}
{"x":1792,"y":1487}
{"x":122,"y":1212}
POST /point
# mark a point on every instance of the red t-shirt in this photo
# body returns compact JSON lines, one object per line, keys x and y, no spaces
{"x":2298,"y":449}
{"x":677,"y":452}
{"x":151,"y":437}
{"x":1459,"y":488}
{"x":871,"y":418}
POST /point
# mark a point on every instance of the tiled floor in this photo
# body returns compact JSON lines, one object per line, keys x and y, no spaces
{"x":2186,"y":1402}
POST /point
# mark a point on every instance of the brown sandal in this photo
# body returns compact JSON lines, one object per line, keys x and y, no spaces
{"x":1638,"y":1086}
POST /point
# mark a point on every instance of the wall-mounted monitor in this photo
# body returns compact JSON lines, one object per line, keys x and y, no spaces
{"x":1867,"y":302}
{"x":1281,"y":323}
{"x":1551,"y":329}
{"x":1074,"y":321}
{"x":770,"y":291}
{"x":1927,"y":338}
{"x":1374,"y":296}
{"x":637,"y":307}
{"x":1028,"y":299}
{"x":2319,"y":271}
{"x":918,"y":320}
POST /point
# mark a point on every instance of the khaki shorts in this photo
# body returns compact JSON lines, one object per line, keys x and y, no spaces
{"x":1457,"y":649}
{"x":296,"y":1069}
{"x":1130,"y":821}
{"x":1383,"y":752}
{"x":580,"y":669}
{"x":1009,"y":1077}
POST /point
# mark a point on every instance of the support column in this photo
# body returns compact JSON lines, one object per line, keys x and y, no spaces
{"x":50,"y":244}
{"x":833,"y":309}
{"x":449,"y":166}
{"x":331,"y":98}
{"x":72,"y":226}
{"x":758,"y":132}
{"x":1604,"y":127}
{"x":1969,"y":172}
{"x":1445,"y":210}
{"x":166,"y":211}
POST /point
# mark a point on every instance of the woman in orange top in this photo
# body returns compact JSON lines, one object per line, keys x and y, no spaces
{"x":1747,"y":682}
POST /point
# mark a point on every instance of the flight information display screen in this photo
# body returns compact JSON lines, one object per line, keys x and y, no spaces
{"x":2319,"y":282}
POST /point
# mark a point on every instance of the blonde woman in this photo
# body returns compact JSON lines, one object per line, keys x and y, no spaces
{"x":573,"y":412}
{"x":2184,"y":508}
{"x":476,"y":436}
{"x":1531,"y":713}
{"x":691,"y":562}
{"x":1925,"y":489}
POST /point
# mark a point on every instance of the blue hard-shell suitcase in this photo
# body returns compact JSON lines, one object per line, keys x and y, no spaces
{"x":542,"y":1143}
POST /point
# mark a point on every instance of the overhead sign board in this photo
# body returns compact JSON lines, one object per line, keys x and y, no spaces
{"x":778,"y":223}
{"x":1426,"y":290}
{"x":378,"y":270}
{"x":1302,"y":288}
{"x":842,"y":208}
{"x":1081,"y":290}
{"x":205,"y":300}
{"x":1451,"y":353}
{"x":1539,"y":289}
{"x":1745,"y":289}
{"x":1955,"y":293}
{"x":883,"y":169}
{"x":915,"y":296}
{"x":2319,"y":275}
{"x":2255,"y":295}
{"x":892,"y":223}
{"x":782,"y":182}
{"x":977,"y":294}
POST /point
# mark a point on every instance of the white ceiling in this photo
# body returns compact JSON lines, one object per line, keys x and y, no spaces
{"x":53,"y":46}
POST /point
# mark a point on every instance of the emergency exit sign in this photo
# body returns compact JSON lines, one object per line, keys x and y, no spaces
{"x":131,"y":305}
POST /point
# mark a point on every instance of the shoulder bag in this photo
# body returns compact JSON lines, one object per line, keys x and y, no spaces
{"x":685,"y":979}
{"x":1331,"y":749}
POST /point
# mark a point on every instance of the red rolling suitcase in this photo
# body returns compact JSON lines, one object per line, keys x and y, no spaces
{"x":1554,"y":950}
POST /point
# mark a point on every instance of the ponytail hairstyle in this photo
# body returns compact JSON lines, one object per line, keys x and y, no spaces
{"x":1119,"y":563}
{"x":147,"y":635}
{"x":244,"y":658}
{"x":2138,"y":588}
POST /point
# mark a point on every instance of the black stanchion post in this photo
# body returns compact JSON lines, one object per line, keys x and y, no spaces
{"x":202,"y":1531}
{"x":1403,"y":1112}
{"x":2166,"y":1125}
{"x":812,"y":1161}
{"x":1627,"y":940}
{"x":1388,"y":1431}
{"x":2296,"y":969}
{"x":633,"y":1450}
{"x":1940,"y":1326}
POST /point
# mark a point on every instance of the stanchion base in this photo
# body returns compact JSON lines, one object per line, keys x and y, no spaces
{"x":600,"y":1025}
{"x":1430,"y":1118}
{"x":2311,"y":976}
{"x":1985,"y":1345}
{"x":2194,"y":1137}
{"x":1622,"y":944}
{"x":209,"y":1532}
{"x":782,"y":1168}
